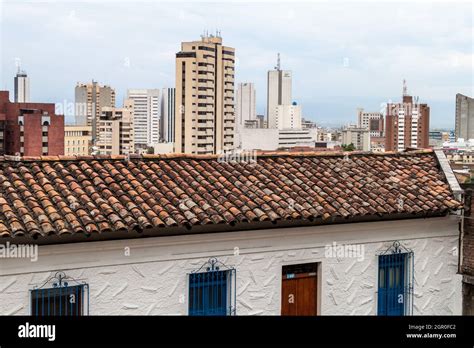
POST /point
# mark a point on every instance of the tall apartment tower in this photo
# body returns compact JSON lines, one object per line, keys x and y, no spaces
{"x":464,"y":117}
{"x":246,"y":107}
{"x":146,"y":116}
{"x":278,"y":92}
{"x":22,"y":87}
{"x":168,"y":109}
{"x":407,"y":124}
{"x":205,"y":117}
{"x":90,"y":99}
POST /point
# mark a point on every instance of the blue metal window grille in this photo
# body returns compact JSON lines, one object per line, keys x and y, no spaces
{"x":212,"y":293}
{"x":60,"y":299}
{"x":395,"y":281}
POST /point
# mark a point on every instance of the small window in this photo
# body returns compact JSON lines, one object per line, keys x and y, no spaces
{"x":395,"y":283}
{"x":60,"y":301}
{"x":212,"y":293}
{"x":60,"y":298}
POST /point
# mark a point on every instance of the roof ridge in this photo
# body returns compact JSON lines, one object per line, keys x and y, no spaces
{"x":336,"y":153}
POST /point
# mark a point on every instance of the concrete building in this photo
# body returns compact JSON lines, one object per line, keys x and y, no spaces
{"x":373,"y":121}
{"x":262,"y":122}
{"x":407,"y":124}
{"x":359,"y":137}
{"x":30,"y":129}
{"x":116,"y":131}
{"x":325,"y":251}
{"x":279,"y":92}
{"x":205,"y":116}
{"x":77,"y":140}
{"x":271,"y":139}
{"x":308,"y":124}
{"x":146,"y":116}
{"x":464,"y":117}
{"x":168,"y":112}
{"x":22,"y":87}
{"x":163,"y":148}
{"x":287,"y":117}
{"x":246,"y":107}
{"x":90,"y":98}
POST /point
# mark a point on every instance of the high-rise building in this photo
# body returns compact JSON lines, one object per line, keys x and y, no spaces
{"x":116,"y":130}
{"x":146,"y":116}
{"x":246,"y":107}
{"x":205,"y":117}
{"x":168,"y":109}
{"x":464,"y":117}
{"x":278,"y":92}
{"x":373,"y":121}
{"x":407,"y":124}
{"x":30,"y":129}
{"x":22,"y":87}
{"x":90,"y":99}
{"x":77,"y":140}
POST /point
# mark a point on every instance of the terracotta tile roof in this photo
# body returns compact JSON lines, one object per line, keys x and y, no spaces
{"x":60,"y":196}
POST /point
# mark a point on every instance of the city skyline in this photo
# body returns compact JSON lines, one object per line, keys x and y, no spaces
{"x":333,"y":73}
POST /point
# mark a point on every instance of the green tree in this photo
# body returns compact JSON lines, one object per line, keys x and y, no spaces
{"x":349,"y":147}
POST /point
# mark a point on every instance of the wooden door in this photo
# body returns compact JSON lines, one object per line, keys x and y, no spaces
{"x":299,"y":294}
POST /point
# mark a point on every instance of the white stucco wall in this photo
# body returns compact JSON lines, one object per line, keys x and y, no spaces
{"x":152,"y":278}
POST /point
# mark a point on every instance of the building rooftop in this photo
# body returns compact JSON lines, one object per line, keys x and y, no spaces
{"x":60,"y":199}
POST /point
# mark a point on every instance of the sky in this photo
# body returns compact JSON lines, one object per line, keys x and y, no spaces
{"x":343,"y":54}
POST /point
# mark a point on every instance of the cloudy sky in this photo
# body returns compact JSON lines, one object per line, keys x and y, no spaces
{"x":343,"y":54}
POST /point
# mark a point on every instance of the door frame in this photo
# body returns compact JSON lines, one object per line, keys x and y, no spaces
{"x":318,"y":281}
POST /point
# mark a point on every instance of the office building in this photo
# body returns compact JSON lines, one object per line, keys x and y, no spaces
{"x":407,"y":124}
{"x":246,"y":107}
{"x":464,"y":117}
{"x":22,"y":87}
{"x":146,"y":116}
{"x":287,"y":117}
{"x":359,"y":137}
{"x":205,"y":116}
{"x":373,"y":121}
{"x":116,"y":131}
{"x":90,"y":99}
{"x":168,"y":110}
{"x":77,"y":140}
{"x":279,"y":92}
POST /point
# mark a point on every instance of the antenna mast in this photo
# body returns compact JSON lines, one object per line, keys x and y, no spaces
{"x":405,"y":91}
{"x":278,"y":67}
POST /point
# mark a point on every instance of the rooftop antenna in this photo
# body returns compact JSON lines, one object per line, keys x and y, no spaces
{"x":405,"y":91}
{"x":278,"y":66}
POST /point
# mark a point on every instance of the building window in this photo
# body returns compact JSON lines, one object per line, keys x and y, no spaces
{"x":60,"y":297}
{"x":395,"y":281}
{"x":212,"y":292}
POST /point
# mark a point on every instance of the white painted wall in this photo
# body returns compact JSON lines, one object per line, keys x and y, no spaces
{"x":152,"y":279}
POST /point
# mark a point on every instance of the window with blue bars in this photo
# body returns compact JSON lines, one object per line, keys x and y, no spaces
{"x":212,"y":293}
{"x":60,"y":299}
{"x":395,"y":282}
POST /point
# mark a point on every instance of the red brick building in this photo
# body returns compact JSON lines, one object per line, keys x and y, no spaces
{"x":407,"y":125}
{"x":30,"y":129}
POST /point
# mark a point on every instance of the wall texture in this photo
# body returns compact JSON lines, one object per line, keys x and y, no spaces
{"x":152,"y":278}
